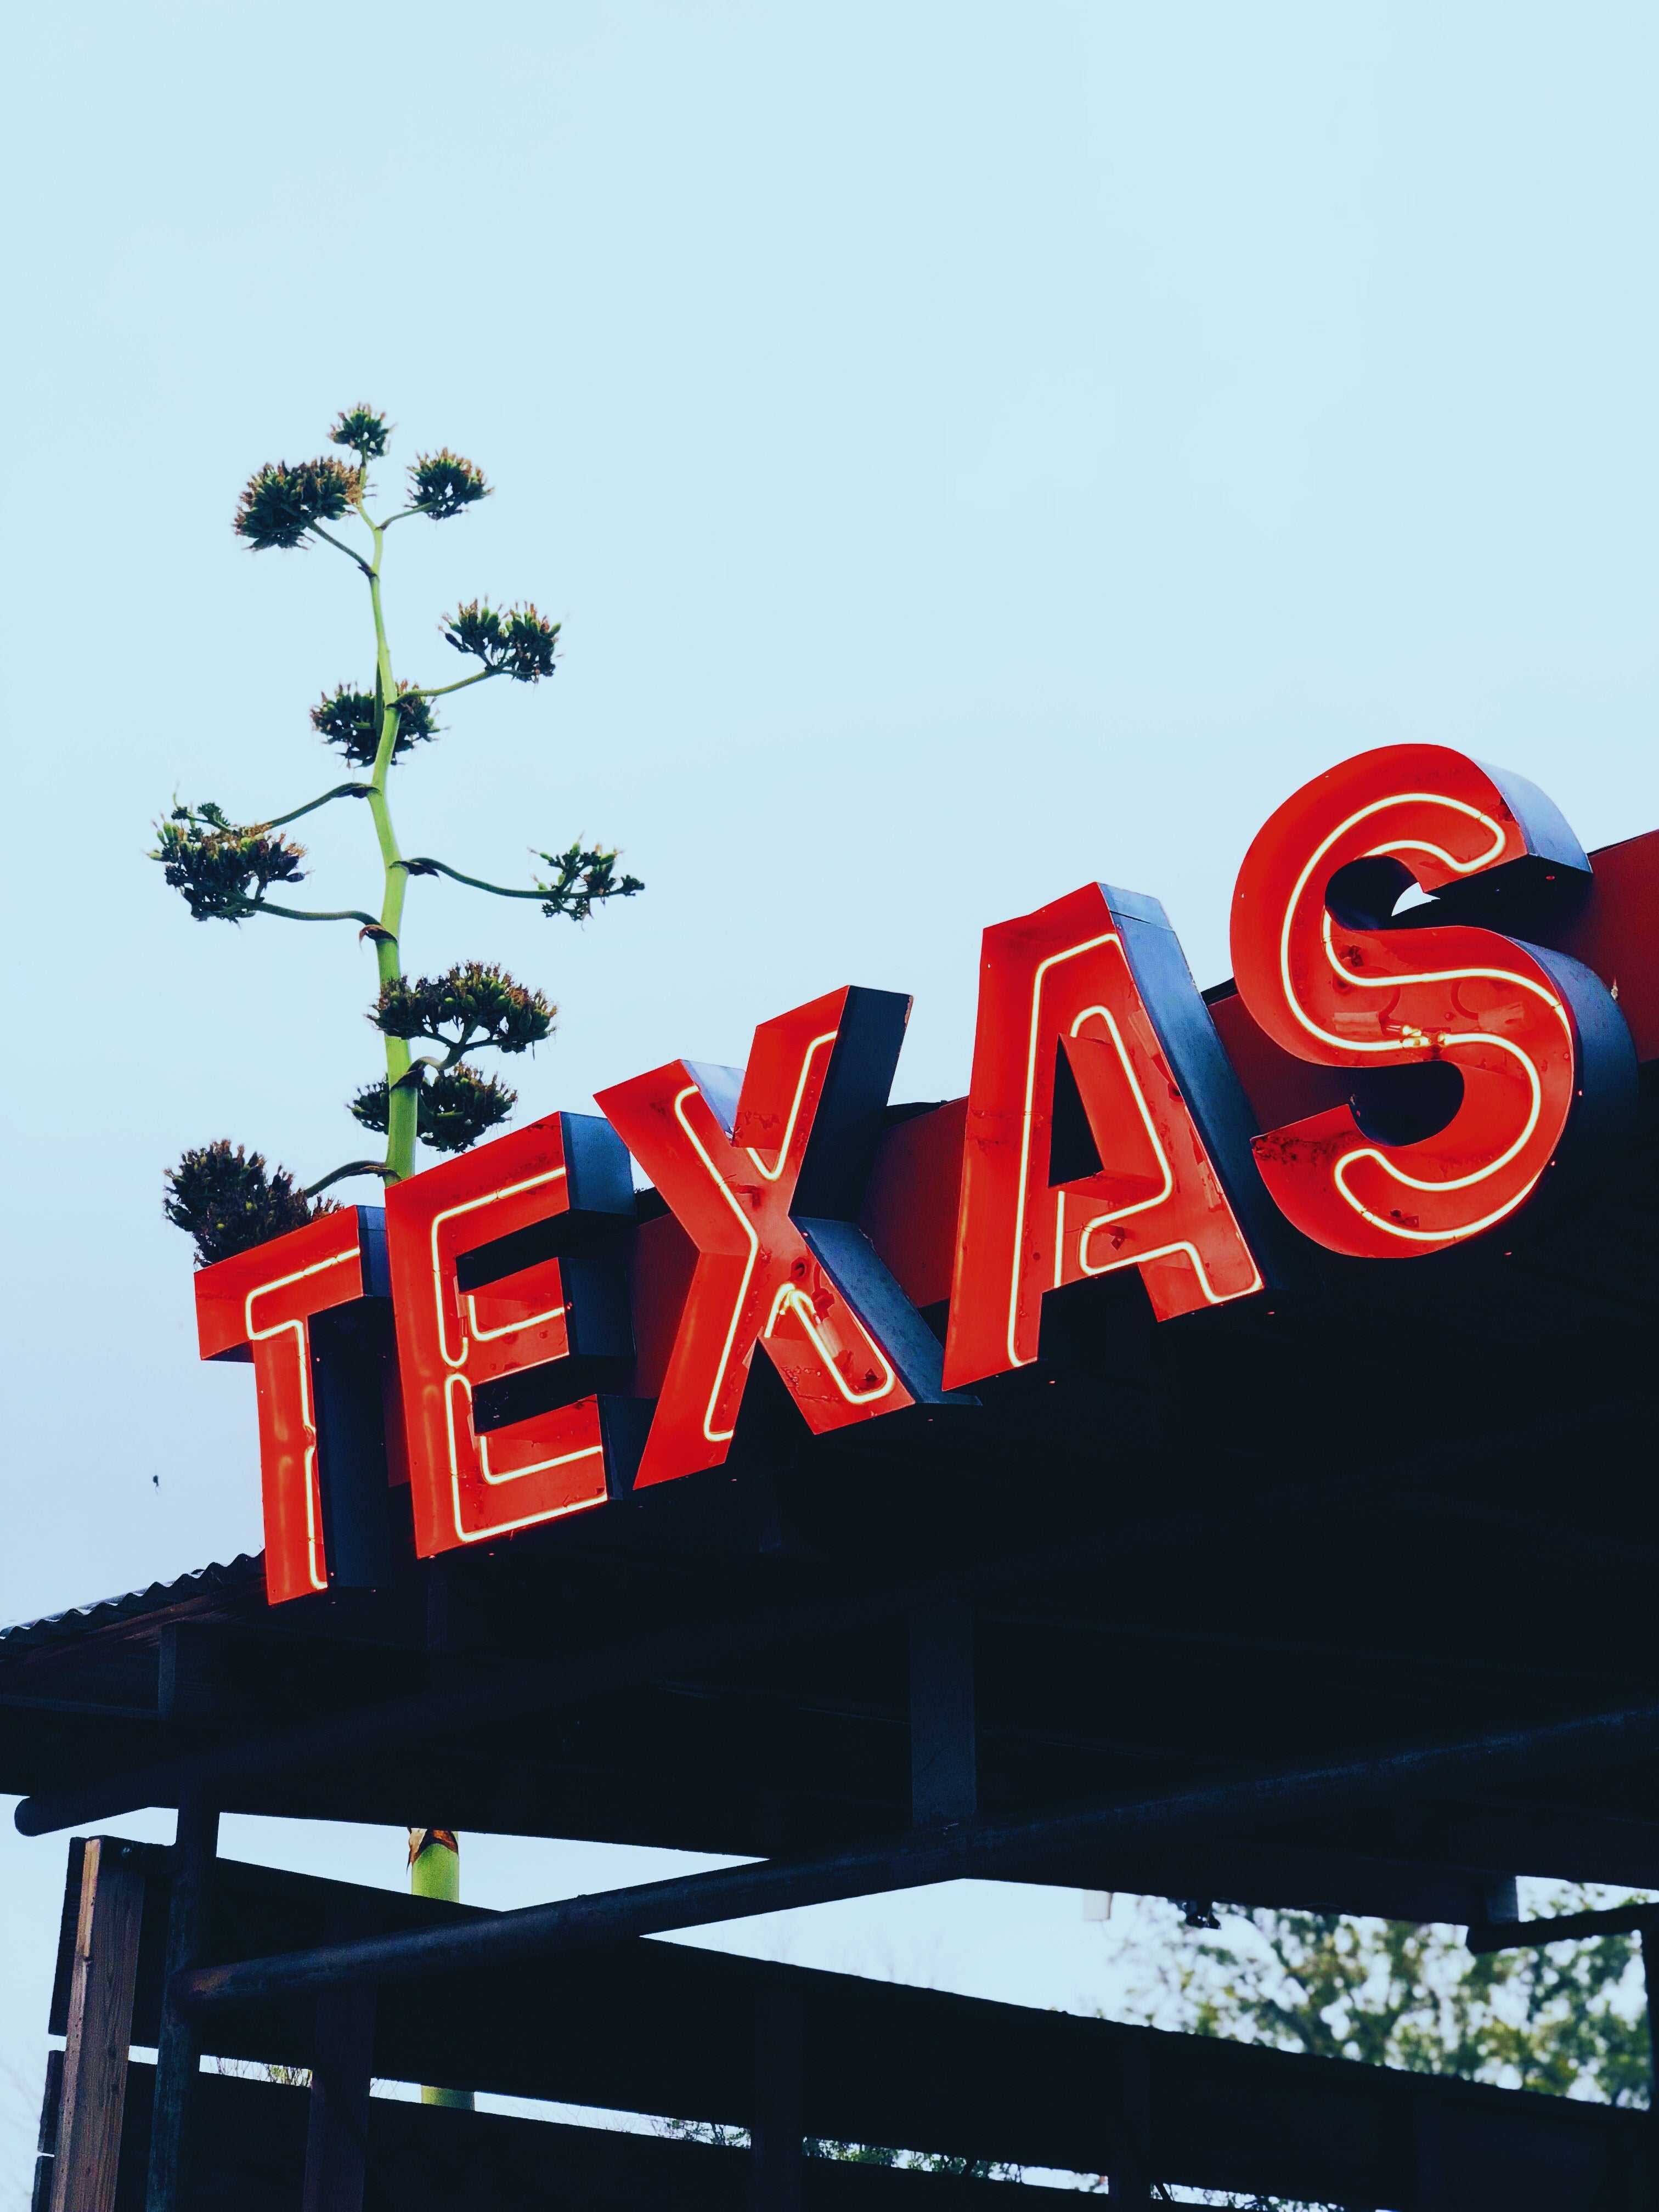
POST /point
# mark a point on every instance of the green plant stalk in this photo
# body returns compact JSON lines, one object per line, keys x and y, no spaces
{"x":402,"y":1097}
{"x":434,"y":1870}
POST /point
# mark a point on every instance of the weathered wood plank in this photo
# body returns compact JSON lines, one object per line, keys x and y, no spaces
{"x":336,"y":2133}
{"x":103,"y":1977}
{"x":777,"y":2130}
{"x":45,"y":2154}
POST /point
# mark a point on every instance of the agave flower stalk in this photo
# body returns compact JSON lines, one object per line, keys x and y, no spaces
{"x":225,"y":871}
{"x":434,"y":1870}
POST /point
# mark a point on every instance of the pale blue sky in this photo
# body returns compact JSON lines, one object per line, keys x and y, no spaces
{"x":972,"y":449}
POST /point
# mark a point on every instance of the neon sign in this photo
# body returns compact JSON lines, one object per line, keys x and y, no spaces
{"x":1515,"y":1036}
{"x":496,"y":1281}
{"x":1390,"y":1080}
{"x":765,"y":1168}
{"x":1087,"y":1004}
{"x":265,"y":1306}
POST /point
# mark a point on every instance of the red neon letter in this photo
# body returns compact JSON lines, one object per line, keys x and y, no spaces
{"x":481,"y":1295}
{"x":258,"y":1306}
{"x":1097,"y":980}
{"x":763,"y":1168}
{"x":1517,"y":1032}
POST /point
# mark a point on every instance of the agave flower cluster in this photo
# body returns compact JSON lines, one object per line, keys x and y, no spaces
{"x":587,"y":876}
{"x":440,"y":484}
{"x":222,"y":871}
{"x":282,"y":504}
{"x":350,"y":719}
{"x":226,"y":1196}
{"x":515,"y":642}
{"x":228,"y":1200}
{"x":475,"y":1005}
{"x":457,"y":1107}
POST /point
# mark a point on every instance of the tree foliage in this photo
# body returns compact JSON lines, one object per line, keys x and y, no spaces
{"x":225,"y":871}
{"x":725,"y":2137}
{"x":1566,"y":2021}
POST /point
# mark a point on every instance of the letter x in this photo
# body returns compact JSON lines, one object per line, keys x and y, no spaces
{"x":765,"y":1168}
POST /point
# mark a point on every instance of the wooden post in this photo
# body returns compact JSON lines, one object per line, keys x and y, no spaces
{"x":336,"y":2136}
{"x":943,"y":1750}
{"x":178,"y":2053}
{"x":103,"y":1977}
{"x":775,"y":2148}
{"x":45,"y":2155}
{"x":1130,"y":2184}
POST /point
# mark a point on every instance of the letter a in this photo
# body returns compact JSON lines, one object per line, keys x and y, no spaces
{"x":1088,"y":1003}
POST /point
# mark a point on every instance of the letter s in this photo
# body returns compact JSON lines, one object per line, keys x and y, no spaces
{"x":1527,"y":1044}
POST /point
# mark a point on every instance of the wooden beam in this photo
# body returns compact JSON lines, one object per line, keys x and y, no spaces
{"x":962,"y":1850}
{"x":1224,"y":2116}
{"x":178,"y":2053}
{"x":1515,"y":1935}
{"x":104,"y":1977}
{"x":574,"y":1678}
{"x":944,"y":1730}
{"x":336,"y":2135}
{"x":776,"y":2130}
{"x":1131,"y":2179}
{"x":46,"y":2152}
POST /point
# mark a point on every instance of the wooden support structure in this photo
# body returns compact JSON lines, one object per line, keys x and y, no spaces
{"x":103,"y":1982}
{"x":952,"y":1851}
{"x":336,"y":2136}
{"x":45,"y":2154}
{"x":179,"y":2047}
{"x":648,"y":2028}
{"x":425,"y":2159}
{"x":777,"y":2129}
{"x":944,"y":1725}
{"x":908,"y":1690}
{"x":1131,"y":2177}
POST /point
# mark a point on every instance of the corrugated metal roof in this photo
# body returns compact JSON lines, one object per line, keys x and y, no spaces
{"x":81,"y":1619}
